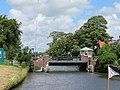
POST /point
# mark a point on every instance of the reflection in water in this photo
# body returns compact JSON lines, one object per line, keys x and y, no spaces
{"x":66,"y":78}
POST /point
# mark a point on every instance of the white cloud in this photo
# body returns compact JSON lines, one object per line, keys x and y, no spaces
{"x":107,"y":10}
{"x":113,"y":25}
{"x":56,"y":15}
{"x":112,"y":16}
{"x":50,"y":7}
{"x":41,"y":18}
{"x":19,"y":15}
{"x":36,"y":30}
{"x":72,"y":10}
{"x":117,"y":6}
{"x":111,"y":10}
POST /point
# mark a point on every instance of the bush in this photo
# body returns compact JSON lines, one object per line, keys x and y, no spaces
{"x":106,"y":56}
{"x":116,"y":50}
{"x":23,"y":64}
{"x":6,"y":62}
{"x":24,"y":57}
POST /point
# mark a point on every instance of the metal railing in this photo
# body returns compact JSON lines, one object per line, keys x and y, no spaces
{"x":65,"y":58}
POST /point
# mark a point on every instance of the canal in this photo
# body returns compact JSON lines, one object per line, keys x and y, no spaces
{"x":67,"y":78}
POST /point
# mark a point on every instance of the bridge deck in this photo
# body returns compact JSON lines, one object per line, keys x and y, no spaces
{"x":67,"y":63}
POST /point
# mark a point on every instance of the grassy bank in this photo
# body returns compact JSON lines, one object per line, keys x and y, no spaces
{"x":11,"y":76}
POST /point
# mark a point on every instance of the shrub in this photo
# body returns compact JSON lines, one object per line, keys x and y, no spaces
{"x":24,"y":57}
{"x":106,"y":56}
{"x":23,"y":64}
{"x":6,"y":62}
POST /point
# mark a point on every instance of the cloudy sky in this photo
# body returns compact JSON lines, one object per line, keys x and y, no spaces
{"x":40,"y":17}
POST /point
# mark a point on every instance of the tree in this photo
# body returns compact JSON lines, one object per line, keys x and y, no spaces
{"x":62,"y":46}
{"x":58,"y":48}
{"x":10,"y":36}
{"x":56,"y":35}
{"x":116,"y":50}
{"x":106,"y":56}
{"x":24,"y":56}
{"x":92,"y":31}
{"x":88,"y":35}
{"x":75,"y":50}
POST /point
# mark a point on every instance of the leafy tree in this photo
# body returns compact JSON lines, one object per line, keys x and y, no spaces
{"x":58,"y":48}
{"x":106,"y":56}
{"x":116,"y":50}
{"x":88,"y":35}
{"x":75,"y":50}
{"x":10,"y":36}
{"x":92,"y":31}
{"x":62,"y":46}
{"x":56,"y":35}
{"x":24,"y":56}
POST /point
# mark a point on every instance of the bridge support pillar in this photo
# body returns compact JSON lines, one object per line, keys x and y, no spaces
{"x":46,"y":67}
{"x":90,"y":67}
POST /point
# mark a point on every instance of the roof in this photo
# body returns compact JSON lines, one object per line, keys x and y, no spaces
{"x":86,"y":49}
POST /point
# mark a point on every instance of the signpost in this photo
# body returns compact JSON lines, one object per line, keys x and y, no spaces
{"x":2,"y":54}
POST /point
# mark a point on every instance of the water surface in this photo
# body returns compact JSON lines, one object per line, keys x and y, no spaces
{"x":67,"y":78}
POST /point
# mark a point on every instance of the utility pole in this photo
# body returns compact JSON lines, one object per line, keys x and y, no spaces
{"x":36,"y":29}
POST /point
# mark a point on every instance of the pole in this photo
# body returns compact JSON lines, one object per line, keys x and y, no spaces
{"x":108,"y":80}
{"x":108,"y":84}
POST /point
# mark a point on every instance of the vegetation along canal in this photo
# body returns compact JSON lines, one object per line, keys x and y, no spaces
{"x":67,"y":78}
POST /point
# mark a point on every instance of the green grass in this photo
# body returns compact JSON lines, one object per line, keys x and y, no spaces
{"x":11,"y":76}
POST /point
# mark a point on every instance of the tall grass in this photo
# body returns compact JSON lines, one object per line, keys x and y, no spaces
{"x":11,"y":76}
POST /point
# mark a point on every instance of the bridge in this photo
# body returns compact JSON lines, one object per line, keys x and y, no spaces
{"x":66,"y":63}
{"x":44,"y":63}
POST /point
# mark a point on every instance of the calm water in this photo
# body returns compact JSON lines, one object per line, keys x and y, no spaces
{"x":67,"y":78}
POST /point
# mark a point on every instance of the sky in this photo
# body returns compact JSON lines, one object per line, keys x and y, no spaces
{"x":40,"y":17}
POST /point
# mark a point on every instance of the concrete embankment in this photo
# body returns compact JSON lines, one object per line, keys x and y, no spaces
{"x":11,"y":76}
